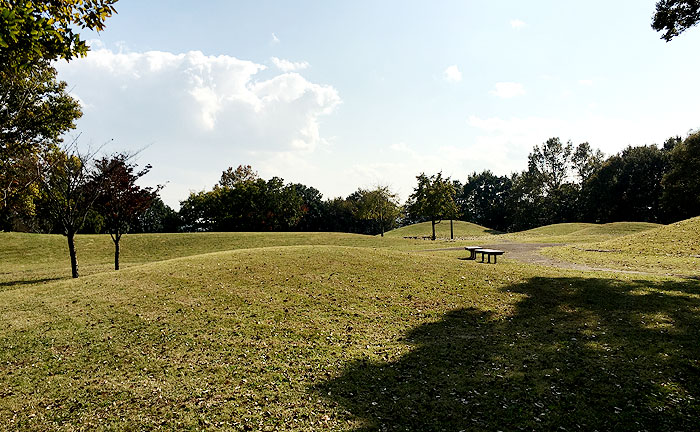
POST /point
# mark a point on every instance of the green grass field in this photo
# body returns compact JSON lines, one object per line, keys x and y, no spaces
{"x":670,"y":249}
{"x":580,"y":232}
{"x":442,"y":230}
{"x":335,"y":332}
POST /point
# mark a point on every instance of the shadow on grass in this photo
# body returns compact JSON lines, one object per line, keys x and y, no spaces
{"x":576,"y":354}
{"x":16,"y":284}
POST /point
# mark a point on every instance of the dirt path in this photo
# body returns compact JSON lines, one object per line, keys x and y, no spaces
{"x":529,"y":253}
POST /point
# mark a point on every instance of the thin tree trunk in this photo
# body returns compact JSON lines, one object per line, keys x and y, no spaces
{"x":116,"y":255}
{"x":452,"y":231}
{"x":73,"y":254}
{"x":115,"y":239}
{"x":433,"y":222}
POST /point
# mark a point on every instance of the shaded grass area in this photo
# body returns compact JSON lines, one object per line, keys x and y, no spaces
{"x":575,"y":354}
{"x":348,"y":338}
{"x":442,"y":230}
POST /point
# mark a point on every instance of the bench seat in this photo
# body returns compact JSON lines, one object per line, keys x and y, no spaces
{"x":489,"y":253}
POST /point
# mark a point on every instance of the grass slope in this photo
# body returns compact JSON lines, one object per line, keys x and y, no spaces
{"x":580,"y":232}
{"x":26,"y":258}
{"x":617,"y":229}
{"x":666,"y":249}
{"x":442,"y":230}
{"x":681,"y":238}
{"x":555,"y":229}
{"x":334,"y":337}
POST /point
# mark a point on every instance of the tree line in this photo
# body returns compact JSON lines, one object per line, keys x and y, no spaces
{"x":563,"y":182}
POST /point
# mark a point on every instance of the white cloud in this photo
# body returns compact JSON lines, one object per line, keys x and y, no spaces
{"x":452,"y":74}
{"x":288,"y":66}
{"x":196,"y":114}
{"x":585,"y":82}
{"x":275,"y":39}
{"x":517,"y":24}
{"x":507,"y":90}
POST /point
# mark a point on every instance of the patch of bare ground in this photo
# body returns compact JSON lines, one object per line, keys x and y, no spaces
{"x":530,"y":253}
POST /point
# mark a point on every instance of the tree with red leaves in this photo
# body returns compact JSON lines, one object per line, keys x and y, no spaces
{"x":122,"y":201}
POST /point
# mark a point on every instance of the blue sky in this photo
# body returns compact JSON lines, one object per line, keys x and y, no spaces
{"x":341,"y":95}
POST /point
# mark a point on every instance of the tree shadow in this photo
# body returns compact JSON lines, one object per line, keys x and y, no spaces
{"x":576,"y":354}
{"x":19,"y":283}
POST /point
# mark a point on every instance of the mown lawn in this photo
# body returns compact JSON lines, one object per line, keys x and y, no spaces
{"x":668,"y":249}
{"x":315,"y":337}
{"x":32,"y":258}
{"x":460,"y":229}
{"x":580,"y":232}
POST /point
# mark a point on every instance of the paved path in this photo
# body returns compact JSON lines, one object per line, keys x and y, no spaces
{"x":529,"y":253}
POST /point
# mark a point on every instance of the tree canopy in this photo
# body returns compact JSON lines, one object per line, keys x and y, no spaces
{"x":31,"y":31}
{"x":673,"y":17}
{"x":433,"y":199}
{"x":121,"y":201}
{"x":35,"y":111}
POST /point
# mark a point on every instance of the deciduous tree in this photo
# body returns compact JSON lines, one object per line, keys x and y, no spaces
{"x":121,"y":201}
{"x":35,"y":111}
{"x":681,"y":184}
{"x":484,"y":200}
{"x":433,"y":198}
{"x":69,"y":188}
{"x":380,"y":205}
{"x":32,"y":30}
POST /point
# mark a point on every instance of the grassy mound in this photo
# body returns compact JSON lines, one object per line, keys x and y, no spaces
{"x":667,"y":249}
{"x":315,"y":337}
{"x":617,"y":229}
{"x":442,"y":230}
{"x":580,"y":232}
{"x":680,"y":239}
{"x":36,"y":257}
{"x":560,"y":229}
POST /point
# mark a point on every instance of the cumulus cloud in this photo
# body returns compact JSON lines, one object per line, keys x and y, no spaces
{"x":289,"y":66}
{"x":507,"y":90}
{"x":452,"y":74}
{"x":193,"y":110}
{"x":517,"y":24}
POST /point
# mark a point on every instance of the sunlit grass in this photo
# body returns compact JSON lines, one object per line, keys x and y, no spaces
{"x":442,"y":230}
{"x":340,"y":332}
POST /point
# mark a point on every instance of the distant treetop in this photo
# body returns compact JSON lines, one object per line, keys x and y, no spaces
{"x":673,"y":17}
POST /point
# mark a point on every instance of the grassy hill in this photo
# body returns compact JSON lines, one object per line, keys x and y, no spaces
{"x":555,"y":229}
{"x":580,"y":232}
{"x":680,"y":238}
{"x":665,"y":249}
{"x":617,"y":229}
{"x":338,"y":332}
{"x":442,"y":230}
{"x":25,"y":257}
